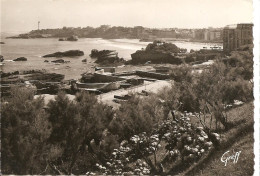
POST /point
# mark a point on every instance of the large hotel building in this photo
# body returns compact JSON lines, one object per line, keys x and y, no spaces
{"x":237,"y":35}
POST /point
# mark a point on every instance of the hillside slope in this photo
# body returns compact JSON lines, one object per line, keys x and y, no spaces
{"x":239,"y":138}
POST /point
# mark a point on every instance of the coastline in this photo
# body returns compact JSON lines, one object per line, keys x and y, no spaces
{"x":16,"y":35}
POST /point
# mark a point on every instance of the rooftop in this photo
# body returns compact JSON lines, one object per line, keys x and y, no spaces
{"x":234,"y":26}
{"x":231,"y":26}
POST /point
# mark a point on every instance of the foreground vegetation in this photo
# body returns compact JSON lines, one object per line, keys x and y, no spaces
{"x":164,"y":133}
{"x":239,"y":138}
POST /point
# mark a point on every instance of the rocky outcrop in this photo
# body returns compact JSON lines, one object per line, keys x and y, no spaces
{"x":61,"y":61}
{"x":95,"y":53}
{"x":84,"y":60}
{"x":157,"y":52}
{"x":20,"y":59}
{"x":2,"y":43}
{"x":71,"y":38}
{"x":106,"y":56}
{"x":1,"y":58}
{"x":99,"y":78}
{"x":19,"y":77}
{"x":142,"y":57}
{"x":43,"y":82}
{"x":70,"y":53}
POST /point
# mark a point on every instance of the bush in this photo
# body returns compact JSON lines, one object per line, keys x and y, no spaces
{"x":135,"y":116}
{"x":236,"y":90}
{"x":181,"y":73}
{"x":25,"y":130}
{"x":75,"y":125}
{"x":176,"y":141}
{"x":222,"y":83}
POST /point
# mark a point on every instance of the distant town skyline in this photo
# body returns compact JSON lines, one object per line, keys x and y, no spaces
{"x":23,"y":15}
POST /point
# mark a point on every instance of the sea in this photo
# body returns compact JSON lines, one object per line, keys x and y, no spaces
{"x":34,"y":49}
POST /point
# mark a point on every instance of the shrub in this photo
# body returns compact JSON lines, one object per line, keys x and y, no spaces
{"x":135,"y":116}
{"x":76,"y":125}
{"x":181,"y":73}
{"x":182,"y":143}
{"x":25,"y":130}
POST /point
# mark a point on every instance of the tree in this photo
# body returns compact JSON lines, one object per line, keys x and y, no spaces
{"x":25,"y":130}
{"x":75,"y":125}
{"x":181,"y":73}
{"x":135,"y":116}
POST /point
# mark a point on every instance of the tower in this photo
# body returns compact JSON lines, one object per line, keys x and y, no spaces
{"x":38,"y":25}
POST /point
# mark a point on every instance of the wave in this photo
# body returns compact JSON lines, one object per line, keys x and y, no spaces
{"x":8,"y":61}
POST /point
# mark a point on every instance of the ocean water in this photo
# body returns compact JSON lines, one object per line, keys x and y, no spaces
{"x":34,"y":49}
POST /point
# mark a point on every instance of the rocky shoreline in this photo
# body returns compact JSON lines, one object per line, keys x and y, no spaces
{"x":39,"y":80}
{"x":105,"y":78}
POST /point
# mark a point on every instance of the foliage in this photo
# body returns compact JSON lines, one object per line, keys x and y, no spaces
{"x":75,"y":125}
{"x":241,"y":63}
{"x":181,"y":73}
{"x":183,"y":143}
{"x":223,"y":83}
{"x":135,"y":116}
{"x":162,"y":47}
{"x":25,"y":130}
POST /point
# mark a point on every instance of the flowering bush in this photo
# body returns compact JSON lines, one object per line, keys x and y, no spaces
{"x":183,"y":142}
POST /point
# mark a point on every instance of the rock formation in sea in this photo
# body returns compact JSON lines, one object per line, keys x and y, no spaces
{"x":20,"y":59}
{"x":61,"y":61}
{"x":70,"y":53}
{"x":71,"y":38}
{"x":106,"y":56}
{"x":1,"y":58}
{"x":158,"y":52}
{"x":2,"y":42}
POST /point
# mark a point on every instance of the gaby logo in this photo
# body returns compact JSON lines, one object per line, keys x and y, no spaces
{"x":227,"y":156}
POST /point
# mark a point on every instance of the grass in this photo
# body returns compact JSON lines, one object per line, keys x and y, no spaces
{"x":244,"y":166}
{"x":238,"y":138}
{"x":240,"y":115}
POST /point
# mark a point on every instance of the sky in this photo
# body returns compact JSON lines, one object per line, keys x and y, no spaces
{"x":23,"y":15}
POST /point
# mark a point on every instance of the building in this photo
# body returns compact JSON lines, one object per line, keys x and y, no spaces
{"x":206,"y":35}
{"x":209,"y":34}
{"x":212,"y":35}
{"x":198,"y":34}
{"x":237,"y":35}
